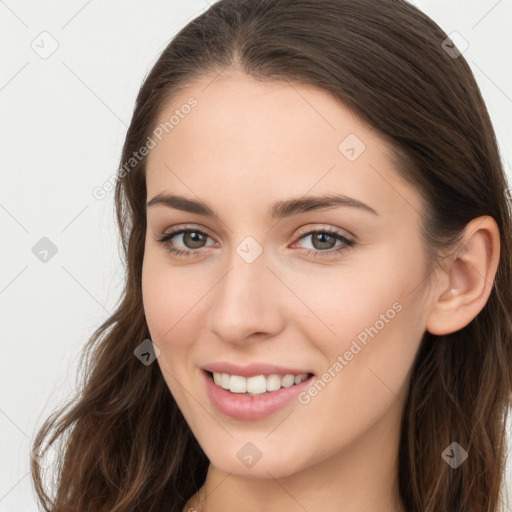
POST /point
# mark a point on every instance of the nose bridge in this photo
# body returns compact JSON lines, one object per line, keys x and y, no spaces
{"x":246,"y":300}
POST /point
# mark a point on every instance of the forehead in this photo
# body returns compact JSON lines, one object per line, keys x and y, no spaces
{"x":250,"y":139}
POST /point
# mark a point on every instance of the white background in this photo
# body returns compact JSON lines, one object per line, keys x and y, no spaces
{"x":62,"y":124}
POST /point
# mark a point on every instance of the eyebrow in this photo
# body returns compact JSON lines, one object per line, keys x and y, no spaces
{"x":278,"y":210}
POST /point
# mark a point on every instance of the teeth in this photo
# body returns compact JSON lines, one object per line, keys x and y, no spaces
{"x":273,"y":382}
{"x":224,"y":380}
{"x":299,"y":378}
{"x":258,"y":384}
{"x":254,"y":384}
{"x":288,"y":380}
{"x":237,"y":384}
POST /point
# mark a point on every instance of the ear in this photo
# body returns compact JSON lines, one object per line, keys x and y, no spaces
{"x":464,"y":289}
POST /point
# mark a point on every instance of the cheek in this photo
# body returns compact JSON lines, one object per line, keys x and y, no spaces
{"x":170,"y":322}
{"x":162,"y":288}
{"x":368,"y":362}
{"x":175,"y":308}
{"x":342,"y":303}
{"x":163,"y":294}
{"x":372,"y":316}
{"x":158,"y":305}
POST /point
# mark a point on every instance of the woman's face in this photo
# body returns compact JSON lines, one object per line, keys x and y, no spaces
{"x":255,"y":286}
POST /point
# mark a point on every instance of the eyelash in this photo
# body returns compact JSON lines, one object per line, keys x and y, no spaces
{"x":346,"y":243}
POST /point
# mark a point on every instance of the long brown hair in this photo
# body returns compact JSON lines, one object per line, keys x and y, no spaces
{"x":124,"y":444}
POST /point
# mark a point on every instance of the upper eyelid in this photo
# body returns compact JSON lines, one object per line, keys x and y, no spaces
{"x":183,"y":229}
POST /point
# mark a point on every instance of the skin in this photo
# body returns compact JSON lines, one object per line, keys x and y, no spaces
{"x":246,"y":145}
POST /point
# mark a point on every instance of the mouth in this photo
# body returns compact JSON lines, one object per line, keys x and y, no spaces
{"x":253,"y":397}
{"x":253,"y":391}
{"x":257,"y":384}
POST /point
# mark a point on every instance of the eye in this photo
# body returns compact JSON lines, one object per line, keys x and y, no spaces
{"x":323,"y":240}
{"x":191,"y":237}
{"x":326,"y":239}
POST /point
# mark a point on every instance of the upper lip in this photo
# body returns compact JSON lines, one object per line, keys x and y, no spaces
{"x":251,"y":370}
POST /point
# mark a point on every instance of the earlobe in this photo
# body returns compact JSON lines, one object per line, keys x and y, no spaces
{"x":470,"y":278}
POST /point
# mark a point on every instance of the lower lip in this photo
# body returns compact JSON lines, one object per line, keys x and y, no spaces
{"x":246,"y":407}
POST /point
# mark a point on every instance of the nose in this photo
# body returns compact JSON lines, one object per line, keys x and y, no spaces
{"x":248,"y":302}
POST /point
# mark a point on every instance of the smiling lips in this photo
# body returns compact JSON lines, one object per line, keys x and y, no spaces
{"x":252,"y":391}
{"x":257,"y":384}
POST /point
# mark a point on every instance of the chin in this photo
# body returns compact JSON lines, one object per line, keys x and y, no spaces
{"x":256,"y":459}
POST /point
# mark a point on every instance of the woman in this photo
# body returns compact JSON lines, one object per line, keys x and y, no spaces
{"x":318,"y":295}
